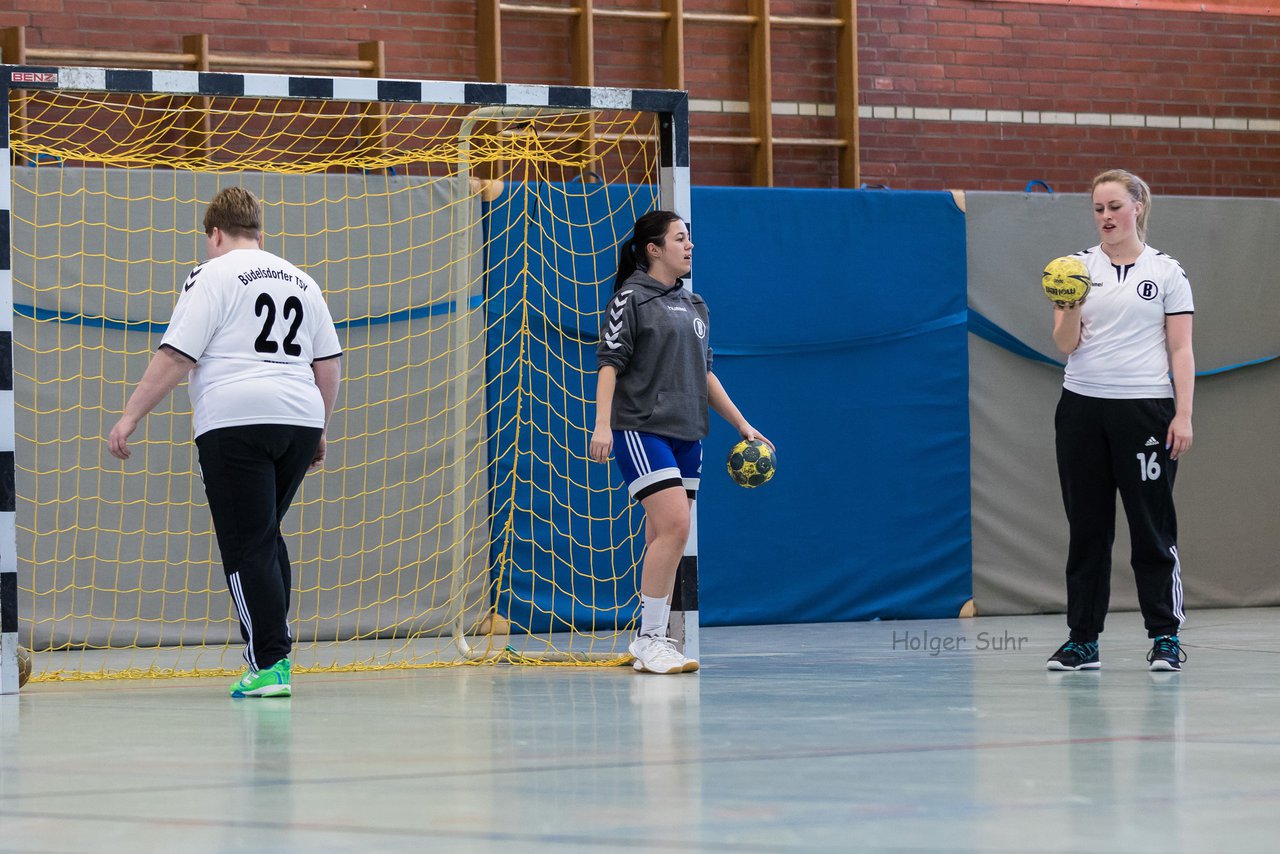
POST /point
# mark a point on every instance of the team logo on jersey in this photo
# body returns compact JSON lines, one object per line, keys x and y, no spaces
{"x":1148,"y":289}
{"x":699,"y":328}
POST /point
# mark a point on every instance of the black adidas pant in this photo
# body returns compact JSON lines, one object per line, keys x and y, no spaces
{"x":251,"y":473}
{"x":1105,"y":445}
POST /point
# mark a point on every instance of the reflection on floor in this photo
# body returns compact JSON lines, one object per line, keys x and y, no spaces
{"x":941,"y":735}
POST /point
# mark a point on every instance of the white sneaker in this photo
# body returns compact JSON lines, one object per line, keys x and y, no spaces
{"x":657,"y":655}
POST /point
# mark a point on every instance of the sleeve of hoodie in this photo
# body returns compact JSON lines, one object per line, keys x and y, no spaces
{"x":617,"y":331}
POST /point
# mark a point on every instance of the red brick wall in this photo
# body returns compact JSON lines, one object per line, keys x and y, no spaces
{"x":1144,"y":67}
{"x":1009,"y":56}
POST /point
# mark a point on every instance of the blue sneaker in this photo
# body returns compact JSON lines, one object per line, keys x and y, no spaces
{"x":270,"y":682}
{"x":1074,"y":655}
{"x":1166,"y":653}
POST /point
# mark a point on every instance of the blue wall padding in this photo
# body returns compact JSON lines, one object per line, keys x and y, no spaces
{"x":844,"y":341}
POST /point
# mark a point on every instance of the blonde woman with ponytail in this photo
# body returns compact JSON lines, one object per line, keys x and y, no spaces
{"x":1121,"y":425}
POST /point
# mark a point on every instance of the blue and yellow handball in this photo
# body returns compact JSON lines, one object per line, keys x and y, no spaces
{"x":751,"y":463}
{"x":1066,"y":281}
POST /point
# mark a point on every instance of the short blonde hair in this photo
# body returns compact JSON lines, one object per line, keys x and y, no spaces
{"x":1138,"y":191}
{"x":236,"y":212}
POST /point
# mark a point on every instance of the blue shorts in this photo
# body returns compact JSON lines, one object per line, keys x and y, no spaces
{"x":650,"y":462}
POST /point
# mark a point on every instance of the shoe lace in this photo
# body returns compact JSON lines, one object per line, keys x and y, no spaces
{"x":1084,"y":650}
{"x":1167,"y":646}
{"x":664,"y":646}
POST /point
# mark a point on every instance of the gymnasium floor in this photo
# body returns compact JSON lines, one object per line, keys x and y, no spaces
{"x":849,"y":737}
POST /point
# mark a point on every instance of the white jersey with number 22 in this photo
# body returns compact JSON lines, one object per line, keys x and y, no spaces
{"x":253,"y":323}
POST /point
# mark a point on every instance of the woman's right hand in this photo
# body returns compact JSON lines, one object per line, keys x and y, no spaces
{"x":118,"y":438}
{"x":601,"y":444}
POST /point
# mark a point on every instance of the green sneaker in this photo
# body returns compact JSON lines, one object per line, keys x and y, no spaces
{"x":272,"y":682}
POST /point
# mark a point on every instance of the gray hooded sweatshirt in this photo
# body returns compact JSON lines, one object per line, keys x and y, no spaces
{"x":657,"y":337}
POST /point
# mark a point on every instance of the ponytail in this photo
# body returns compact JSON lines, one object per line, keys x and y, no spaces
{"x":628,"y":263}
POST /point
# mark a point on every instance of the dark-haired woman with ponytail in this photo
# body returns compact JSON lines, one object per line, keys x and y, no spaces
{"x":653,"y":389}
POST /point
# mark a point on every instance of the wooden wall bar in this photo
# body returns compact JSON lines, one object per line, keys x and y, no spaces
{"x":757,"y":23}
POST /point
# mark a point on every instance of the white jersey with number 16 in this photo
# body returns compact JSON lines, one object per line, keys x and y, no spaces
{"x":253,"y":323}
{"x":1123,"y":349}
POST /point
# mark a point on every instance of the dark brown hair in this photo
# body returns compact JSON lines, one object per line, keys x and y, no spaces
{"x":650,"y":228}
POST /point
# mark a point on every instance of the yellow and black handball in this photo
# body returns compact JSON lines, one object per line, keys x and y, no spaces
{"x":751,"y":463}
{"x":1066,"y":281}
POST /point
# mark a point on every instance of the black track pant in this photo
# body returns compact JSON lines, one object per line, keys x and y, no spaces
{"x":251,"y":474}
{"x":1105,"y":445}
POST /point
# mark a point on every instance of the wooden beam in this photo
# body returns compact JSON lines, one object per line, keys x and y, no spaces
{"x":187,"y":59}
{"x":374,"y":54}
{"x":720,"y":18}
{"x":489,"y":40}
{"x":13,"y":50}
{"x":633,"y":14}
{"x":13,"y":45}
{"x":850,"y":171}
{"x":760,"y":92}
{"x":582,"y":51}
{"x":540,"y":11}
{"x":373,"y":127}
{"x":122,"y":58}
{"x":809,"y":141}
{"x":582,"y":57}
{"x":799,"y":21}
{"x":673,"y":44}
{"x":196,"y":125}
{"x":724,"y":140}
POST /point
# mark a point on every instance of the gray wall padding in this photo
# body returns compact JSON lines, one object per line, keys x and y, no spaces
{"x":119,"y":554}
{"x":1228,"y":486}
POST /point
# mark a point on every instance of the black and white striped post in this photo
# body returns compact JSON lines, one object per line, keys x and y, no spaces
{"x":8,"y":528}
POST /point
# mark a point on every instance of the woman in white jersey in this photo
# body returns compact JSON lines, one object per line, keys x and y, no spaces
{"x":1121,"y":425}
{"x":256,"y":336}
{"x":652,"y":392}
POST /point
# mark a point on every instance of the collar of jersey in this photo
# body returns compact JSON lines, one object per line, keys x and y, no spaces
{"x":642,"y":279}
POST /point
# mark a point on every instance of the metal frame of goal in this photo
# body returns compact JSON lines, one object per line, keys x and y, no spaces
{"x":670,"y":107}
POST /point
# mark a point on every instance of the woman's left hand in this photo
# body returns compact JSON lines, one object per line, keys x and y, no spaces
{"x":1178,"y":440}
{"x":748,"y":432}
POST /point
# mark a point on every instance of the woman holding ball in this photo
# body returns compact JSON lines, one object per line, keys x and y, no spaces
{"x":1121,"y":425}
{"x":652,"y":392}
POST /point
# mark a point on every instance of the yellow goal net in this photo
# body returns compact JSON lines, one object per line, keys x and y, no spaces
{"x":465,"y":245}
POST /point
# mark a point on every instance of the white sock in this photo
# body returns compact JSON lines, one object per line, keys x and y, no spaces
{"x":654,"y":611}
